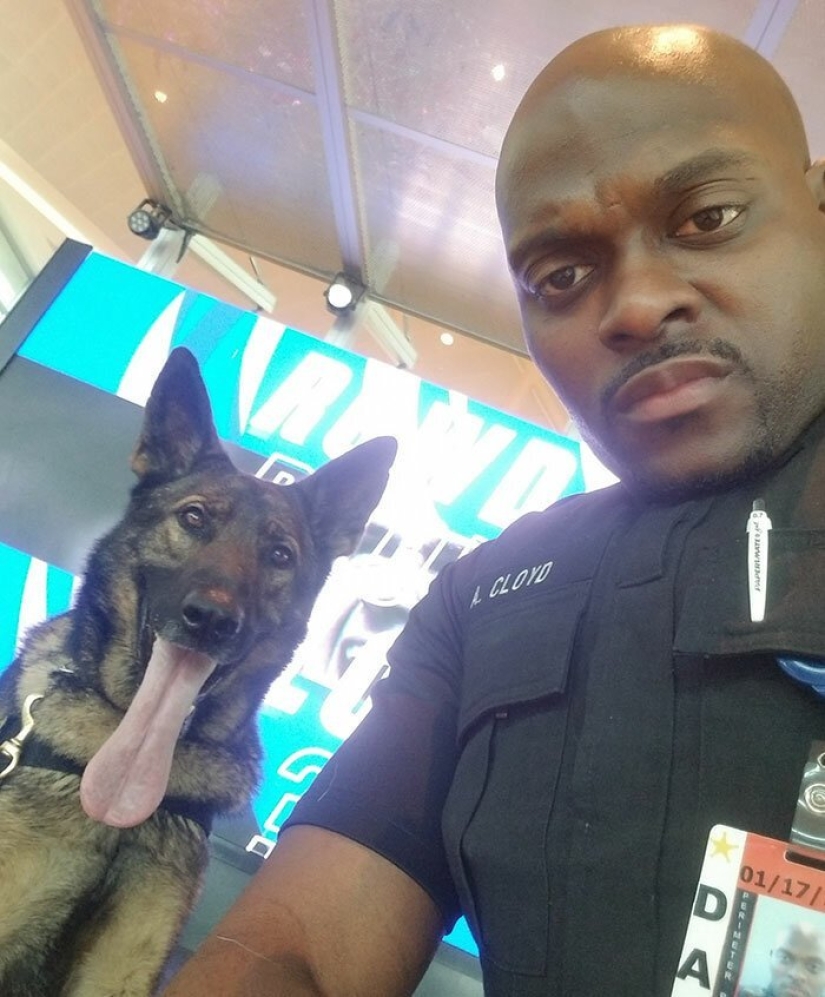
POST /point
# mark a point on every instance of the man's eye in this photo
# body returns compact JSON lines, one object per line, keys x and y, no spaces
{"x":710,"y":219}
{"x":558,"y":281}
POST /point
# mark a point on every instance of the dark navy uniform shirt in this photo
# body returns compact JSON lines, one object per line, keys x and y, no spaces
{"x":571,"y":709}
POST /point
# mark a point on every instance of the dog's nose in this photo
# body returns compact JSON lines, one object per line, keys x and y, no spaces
{"x":211,"y":616}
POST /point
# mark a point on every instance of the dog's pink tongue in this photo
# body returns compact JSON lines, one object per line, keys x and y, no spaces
{"x":125,"y":781}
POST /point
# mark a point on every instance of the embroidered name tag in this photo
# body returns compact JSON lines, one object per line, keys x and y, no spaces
{"x":513,"y":581}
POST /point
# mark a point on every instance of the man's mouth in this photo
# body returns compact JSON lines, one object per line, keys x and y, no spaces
{"x":671,"y":388}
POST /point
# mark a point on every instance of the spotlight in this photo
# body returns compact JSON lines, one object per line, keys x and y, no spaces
{"x":148,"y":219}
{"x":343,"y":294}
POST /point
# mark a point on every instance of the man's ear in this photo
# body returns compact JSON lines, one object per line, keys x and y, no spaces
{"x":815,"y":178}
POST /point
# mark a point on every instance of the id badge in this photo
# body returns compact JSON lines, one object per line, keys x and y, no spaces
{"x":757,"y":926}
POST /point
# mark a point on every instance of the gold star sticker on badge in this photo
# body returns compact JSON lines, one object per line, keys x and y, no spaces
{"x":721,"y":846}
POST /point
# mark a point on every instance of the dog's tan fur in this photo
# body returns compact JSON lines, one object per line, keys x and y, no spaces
{"x":91,"y":910}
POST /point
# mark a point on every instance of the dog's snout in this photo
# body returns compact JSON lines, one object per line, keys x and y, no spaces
{"x":211,"y":615}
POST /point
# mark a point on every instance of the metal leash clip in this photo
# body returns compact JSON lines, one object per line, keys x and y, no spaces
{"x":13,"y":747}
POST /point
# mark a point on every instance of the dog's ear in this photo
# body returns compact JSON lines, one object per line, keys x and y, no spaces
{"x":178,"y":433}
{"x":344,"y":492}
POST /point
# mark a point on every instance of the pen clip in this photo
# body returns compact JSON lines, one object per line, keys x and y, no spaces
{"x":758,"y":528}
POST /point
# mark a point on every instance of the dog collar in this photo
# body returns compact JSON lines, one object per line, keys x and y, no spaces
{"x":39,"y":755}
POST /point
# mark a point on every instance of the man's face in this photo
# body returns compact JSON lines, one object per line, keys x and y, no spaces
{"x":669,"y":260}
{"x":798,"y":965}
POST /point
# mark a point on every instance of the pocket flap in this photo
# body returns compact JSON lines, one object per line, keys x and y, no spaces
{"x":715,"y":617}
{"x":520,"y":654}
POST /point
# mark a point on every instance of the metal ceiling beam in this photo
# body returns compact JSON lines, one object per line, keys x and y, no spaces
{"x":210,"y":62}
{"x":332,"y":112}
{"x":140,"y":141}
{"x":442,"y":146}
{"x":768,"y":25}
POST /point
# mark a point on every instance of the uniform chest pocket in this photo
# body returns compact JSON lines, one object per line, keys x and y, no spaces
{"x":715,"y":616}
{"x":511,"y":734}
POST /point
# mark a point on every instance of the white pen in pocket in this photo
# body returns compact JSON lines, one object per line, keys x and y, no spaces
{"x":759,"y":526}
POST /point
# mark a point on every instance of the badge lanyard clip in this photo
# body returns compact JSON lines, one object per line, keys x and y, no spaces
{"x":808,"y":826}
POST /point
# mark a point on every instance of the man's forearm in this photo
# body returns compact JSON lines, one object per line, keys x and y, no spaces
{"x":227,"y":967}
{"x":323,"y":917}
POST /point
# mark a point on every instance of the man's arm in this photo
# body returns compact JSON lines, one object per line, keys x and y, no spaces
{"x":323,"y":917}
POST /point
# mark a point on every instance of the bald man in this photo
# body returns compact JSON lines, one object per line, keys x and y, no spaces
{"x":574,"y":705}
{"x":797,"y":964}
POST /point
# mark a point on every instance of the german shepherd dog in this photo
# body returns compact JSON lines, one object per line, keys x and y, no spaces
{"x":129,"y":721}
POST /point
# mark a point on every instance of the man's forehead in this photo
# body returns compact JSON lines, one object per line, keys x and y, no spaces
{"x":595,"y":143}
{"x":801,"y":941}
{"x":592,"y":117}
{"x":799,"y":934}
{"x":595,"y":156}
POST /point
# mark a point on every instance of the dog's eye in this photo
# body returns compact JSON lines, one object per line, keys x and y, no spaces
{"x":282,"y":556}
{"x":192,"y":517}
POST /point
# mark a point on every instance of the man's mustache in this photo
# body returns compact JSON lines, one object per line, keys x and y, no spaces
{"x":667,"y":351}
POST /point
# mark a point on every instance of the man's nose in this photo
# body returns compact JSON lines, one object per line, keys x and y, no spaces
{"x":645,"y":294}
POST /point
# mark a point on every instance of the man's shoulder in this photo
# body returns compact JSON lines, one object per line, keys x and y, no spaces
{"x":574,"y":512}
{"x":575,"y":528}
